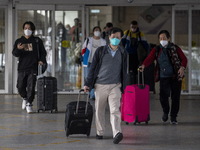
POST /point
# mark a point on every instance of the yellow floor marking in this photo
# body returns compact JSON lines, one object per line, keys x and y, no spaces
{"x":28,"y":133}
{"x":64,"y":142}
{"x":4,"y":148}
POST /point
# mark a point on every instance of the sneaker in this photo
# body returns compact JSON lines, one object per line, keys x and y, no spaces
{"x":99,"y":136}
{"x":173,"y":121}
{"x":164,"y":117}
{"x":24,"y":104}
{"x":29,"y":108}
{"x":118,"y":137}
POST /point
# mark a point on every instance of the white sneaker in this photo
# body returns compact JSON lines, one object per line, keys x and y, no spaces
{"x":29,"y":108}
{"x":24,"y":103}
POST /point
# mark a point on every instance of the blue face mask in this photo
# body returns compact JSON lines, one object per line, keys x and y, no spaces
{"x":114,"y":41}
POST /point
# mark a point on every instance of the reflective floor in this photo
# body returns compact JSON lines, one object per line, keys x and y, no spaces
{"x":45,"y":131}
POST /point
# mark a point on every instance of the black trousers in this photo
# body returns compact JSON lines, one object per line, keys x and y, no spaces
{"x":170,"y":87}
{"x":26,"y":85}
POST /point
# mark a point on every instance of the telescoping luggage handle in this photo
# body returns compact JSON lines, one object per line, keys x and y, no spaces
{"x":40,"y":71}
{"x":141,"y":85}
{"x":77,"y":105}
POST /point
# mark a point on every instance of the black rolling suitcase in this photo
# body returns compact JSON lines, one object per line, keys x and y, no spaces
{"x":78,"y":117}
{"x":46,"y":93}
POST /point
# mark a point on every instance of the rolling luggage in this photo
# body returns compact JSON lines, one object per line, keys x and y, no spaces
{"x":78,"y":117}
{"x":47,"y":94}
{"x":135,"y":105}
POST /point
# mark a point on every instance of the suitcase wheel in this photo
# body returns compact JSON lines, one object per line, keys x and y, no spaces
{"x":146,"y":122}
{"x":67,"y":132}
{"x":38,"y":111}
{"x":127,"y":123}
{"x":88,"y":134}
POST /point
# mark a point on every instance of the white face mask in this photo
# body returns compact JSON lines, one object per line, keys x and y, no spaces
{"x":163,"y":42}
{"x":27,"y":32}
{"x":97,"y":33}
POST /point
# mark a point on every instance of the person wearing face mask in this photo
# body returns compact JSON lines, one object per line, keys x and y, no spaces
{"x":106,"y":76}
{"x":130,"y":41}
{"x":170,"y":68}
{"x":26,"y":49}
{"x":89,"y":47}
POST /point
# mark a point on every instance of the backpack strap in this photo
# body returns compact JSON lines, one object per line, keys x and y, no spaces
{"x":87,"y":42}
{"x":157,"y":51}
{"x":38,"y":50}
{"x":127,"y":33}
{"x":139,"y":35}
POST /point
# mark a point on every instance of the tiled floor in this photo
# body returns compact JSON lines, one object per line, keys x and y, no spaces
{"x":45,"y":131}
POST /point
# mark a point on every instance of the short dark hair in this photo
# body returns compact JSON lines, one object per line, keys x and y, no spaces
{"x":164,"y":32}
{"x":95,"y":28}
{"x":114,"y":30}
{"x":31,"y":25}
{"x":134,"y":22}
{"x":109,"y":25}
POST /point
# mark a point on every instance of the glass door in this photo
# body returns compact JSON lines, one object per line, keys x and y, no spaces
{"x":195,"y":51}
{"x":181,"y":39}
{"x":60,"y":28}
{"x":68,"y":70}
{"x":42,"y":20}
{"x":187,"y":36}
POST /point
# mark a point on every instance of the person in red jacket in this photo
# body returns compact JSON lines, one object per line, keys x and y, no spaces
{"x":170,"y":69}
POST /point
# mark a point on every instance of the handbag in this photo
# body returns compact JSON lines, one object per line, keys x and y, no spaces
{"x":44,"y":65}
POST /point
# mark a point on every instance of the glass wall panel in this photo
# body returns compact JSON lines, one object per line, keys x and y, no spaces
{"x":2,"y":48}
{"x":181,"y":38}
{"x":42,"y":20}
{"x":195,"y":53}
{"x":68,"y":45}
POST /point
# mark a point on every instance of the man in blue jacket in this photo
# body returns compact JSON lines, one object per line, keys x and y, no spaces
{"x":106,"y":75}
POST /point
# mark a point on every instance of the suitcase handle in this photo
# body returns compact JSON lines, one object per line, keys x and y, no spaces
{"x":40,"y":71}
{"x":77,"y":105}
{"x":141,"y":85}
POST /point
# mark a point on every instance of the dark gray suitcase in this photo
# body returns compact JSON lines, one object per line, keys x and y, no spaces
{"x":47,"y":94}
{"x":78,"y":117}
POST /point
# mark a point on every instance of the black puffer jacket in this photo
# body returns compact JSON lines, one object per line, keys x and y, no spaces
{"x":28,"y":59}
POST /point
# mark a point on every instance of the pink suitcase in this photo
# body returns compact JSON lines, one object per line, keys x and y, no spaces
{"x":135,"y":105}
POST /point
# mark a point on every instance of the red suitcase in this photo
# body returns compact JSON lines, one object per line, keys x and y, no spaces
{"x":135,"y":105}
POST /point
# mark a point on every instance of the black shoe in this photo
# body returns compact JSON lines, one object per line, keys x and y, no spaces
{"x":99,"y":136}
{"x":173,"y":120}
{"x":118,"y":137}
{"x":165,"y":117}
